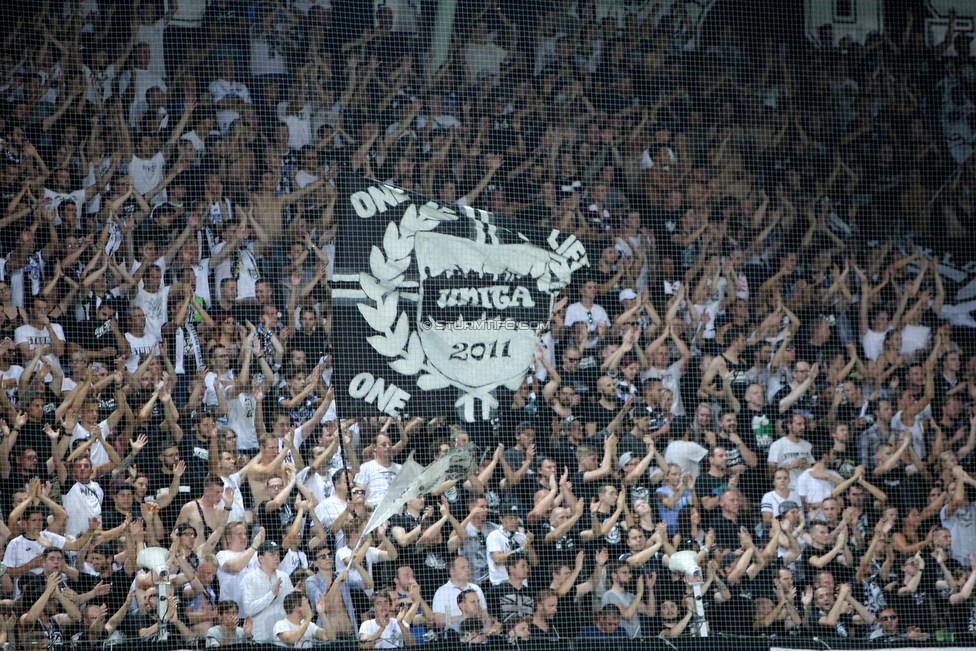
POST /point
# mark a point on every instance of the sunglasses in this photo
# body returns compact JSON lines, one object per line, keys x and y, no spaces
{"x":358,"y":491}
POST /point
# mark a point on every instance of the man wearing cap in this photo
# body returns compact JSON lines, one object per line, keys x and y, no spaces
{"x":264,"y":591}
{"x":637,"y":481}
{"x":738,"y":571}
{"x":507,"y":542}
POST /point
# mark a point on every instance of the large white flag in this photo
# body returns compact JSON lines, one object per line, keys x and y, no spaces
{"x":414,"y":480}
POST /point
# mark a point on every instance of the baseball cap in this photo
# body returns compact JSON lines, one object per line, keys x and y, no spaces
{"x":625,"y":458}
{"x":186,"y":526}
{"x":104,"y":549}
{"x":569,"y":420}
{"x":786,"y":506}
{"x":510,"y":509}
{"x":525,"y":424}
{"x":627,"y":294}
{"x":268,"y":546}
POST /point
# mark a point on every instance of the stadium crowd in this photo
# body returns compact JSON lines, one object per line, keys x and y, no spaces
{"x":757,"y":366}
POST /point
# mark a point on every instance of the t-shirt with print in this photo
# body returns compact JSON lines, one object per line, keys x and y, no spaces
{"x":759,"y":425}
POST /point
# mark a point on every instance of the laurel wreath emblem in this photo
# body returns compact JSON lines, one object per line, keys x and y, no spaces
{"x":396,"y":340}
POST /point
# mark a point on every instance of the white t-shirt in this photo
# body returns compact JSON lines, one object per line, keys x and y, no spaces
{"x":500,"y":540}
{"x":299,"y":125}
{"x":57,"y":198}
{"x":83,"y":501}
{"x":232,"y":585}
{"x":813,"y":490}
{"x":221,"y":89}
{"x":10,"y":381}
{"x":284,"y":626}
{"x":21,"y":551}
{"x":670,"y":380}
{"x":445,"y":599}
{"x":328,"y":511}
{"x":140,"y":348}
{"x":267,"y":53}
{"x":962,"y":528}
{"x":142,"y":81}
{"x":914,"y":338}
{"x":687,"y":455}
{"x":784,"y":451}
{"x":98,"y":453}
{"x":378,"y":479}
{"x":237,"y":508}
{"x":873,"y":344}
{"x":391,"y":638}
{"x":592,"y":317}
{"x":155,"y":307}
{"x":210,"y":382}
{"x":355,"y":581}
{"x":240,"y":418}
{"x":240,"y":265}
{"x":33,"y":337}
{"x":152,"y":35}
{"x":771,"y":501}
{"x":147,"y":174}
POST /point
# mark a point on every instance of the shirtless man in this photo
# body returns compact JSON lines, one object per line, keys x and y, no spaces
{"x":267,"y":210}
{"x":322,"y":582}
{"x":210,"y":512}
{"x":267,"y":463}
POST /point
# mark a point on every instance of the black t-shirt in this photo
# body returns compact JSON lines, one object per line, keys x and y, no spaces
{"x":600,"y":415}
{"x":759,"y":426}
{"x":564,"y":548}
{"x":581,"y":381}
{"x":585,"y":490}
{"x":508,"y":605}
{"x":277,"y":521}
{"x":315,"y":344}
{"x":159,"y":480}
{"x":405,"y":555}
{"x":809,"y":401}
{"x":840,"y":572}
{"x":91,"y":335}
{"x":709,"y":486}
{"x":120,"y":581}
{"x":726,"y":531}
{"x":112,"y":518}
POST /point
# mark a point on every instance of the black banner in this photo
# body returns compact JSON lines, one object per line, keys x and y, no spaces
{"x":434,"y":305}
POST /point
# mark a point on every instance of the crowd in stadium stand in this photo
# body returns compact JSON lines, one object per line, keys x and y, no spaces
{"x":758,"y":366}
